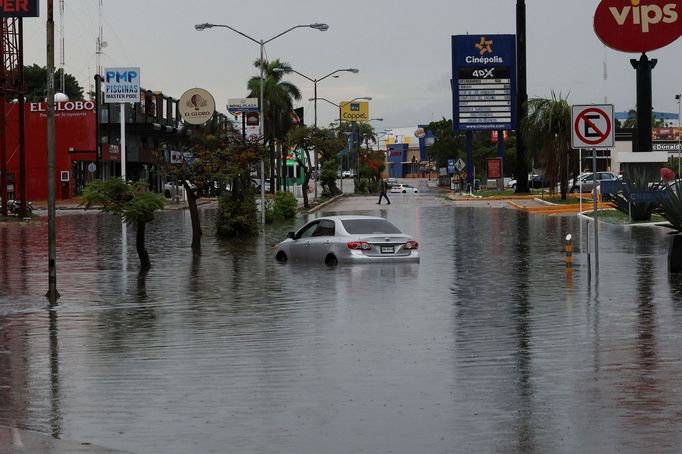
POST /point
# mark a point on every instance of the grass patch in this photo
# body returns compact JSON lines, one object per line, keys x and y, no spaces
{"x":618,"y":217}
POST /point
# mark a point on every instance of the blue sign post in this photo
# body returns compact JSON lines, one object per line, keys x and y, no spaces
{"x":483,"y":86}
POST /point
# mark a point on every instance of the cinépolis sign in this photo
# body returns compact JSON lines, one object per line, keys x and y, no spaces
{"x":19,"y":8}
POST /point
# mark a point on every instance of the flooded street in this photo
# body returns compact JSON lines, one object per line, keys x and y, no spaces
{"x":487,"y":345}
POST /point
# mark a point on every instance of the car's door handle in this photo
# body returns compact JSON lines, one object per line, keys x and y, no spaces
{"x":327,"y":242}
{"x":307,"y":243}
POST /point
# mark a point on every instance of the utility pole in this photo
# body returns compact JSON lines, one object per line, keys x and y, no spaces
{"x":52,"y":293}
{"x":521,"y":98}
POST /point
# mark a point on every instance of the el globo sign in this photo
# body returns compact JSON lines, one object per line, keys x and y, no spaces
{"x":638,"y":25}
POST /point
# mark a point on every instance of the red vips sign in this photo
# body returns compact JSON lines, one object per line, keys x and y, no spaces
{"x":638,"y":25}
{"x":19,"y":8}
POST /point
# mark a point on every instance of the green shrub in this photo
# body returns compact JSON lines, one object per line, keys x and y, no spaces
{"x":671,"y":209}
{"x":237,"y":214}
{"x":328,"y":178}
{"x":284,"y":207}
{"x":636,"y":180}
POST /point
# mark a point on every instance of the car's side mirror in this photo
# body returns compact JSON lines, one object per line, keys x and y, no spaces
{"x":291,"y":235}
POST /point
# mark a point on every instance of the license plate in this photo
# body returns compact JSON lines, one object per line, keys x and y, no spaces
{"x":387,"y":250}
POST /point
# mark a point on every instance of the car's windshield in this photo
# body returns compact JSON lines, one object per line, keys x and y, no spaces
{"x":365,"y":226}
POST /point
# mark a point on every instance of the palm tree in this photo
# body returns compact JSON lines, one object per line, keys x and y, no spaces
{"x":278,"y":98}
{"x":548,"y":134}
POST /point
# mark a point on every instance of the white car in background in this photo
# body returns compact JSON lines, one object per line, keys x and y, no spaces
{"x":403,"y":189}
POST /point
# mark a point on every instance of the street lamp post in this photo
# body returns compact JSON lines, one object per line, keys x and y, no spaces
{"x":365,"y":98}
{"x":679,"y":135}
{"x":261,"y":118}
{"x":315,"y":81}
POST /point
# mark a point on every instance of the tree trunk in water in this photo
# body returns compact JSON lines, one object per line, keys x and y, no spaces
{"x":145,"y":263}
{"x":194,"y":216}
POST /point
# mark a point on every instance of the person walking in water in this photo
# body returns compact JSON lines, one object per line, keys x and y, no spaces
{"x":382,"y":191}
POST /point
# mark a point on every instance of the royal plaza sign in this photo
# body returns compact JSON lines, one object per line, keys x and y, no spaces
{"x":638,"y":25}
{"x":19,"y":8}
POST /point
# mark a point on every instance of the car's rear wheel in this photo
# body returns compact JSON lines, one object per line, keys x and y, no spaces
{"x":404,"y":192}
{"x":167,"y":193}
{"x":281,"y":257}
{"x":331,"y":260}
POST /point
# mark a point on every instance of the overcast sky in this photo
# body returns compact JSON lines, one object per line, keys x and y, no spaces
{"x":401,"y":48}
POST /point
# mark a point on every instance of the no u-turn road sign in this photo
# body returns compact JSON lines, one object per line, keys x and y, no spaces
{"x":592,"y":126}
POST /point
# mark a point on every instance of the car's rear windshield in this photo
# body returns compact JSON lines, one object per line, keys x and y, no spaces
{"x":368,"y":226}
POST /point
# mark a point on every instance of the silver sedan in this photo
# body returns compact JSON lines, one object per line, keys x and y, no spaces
{"x":348,"y":239}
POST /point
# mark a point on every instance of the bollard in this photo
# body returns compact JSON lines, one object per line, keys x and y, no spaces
{"x":569,"y":250}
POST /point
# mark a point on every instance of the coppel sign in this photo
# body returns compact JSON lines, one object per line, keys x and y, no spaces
{"x":121,"y":85}
{"x":19,"y":8}
{"x":638,"y":25}
{"x":355,"y":111}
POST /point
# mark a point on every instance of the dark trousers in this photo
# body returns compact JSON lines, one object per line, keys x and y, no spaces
{"x":383,"y":194}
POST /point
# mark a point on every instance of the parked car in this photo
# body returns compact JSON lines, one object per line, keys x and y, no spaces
{"x":348,"y":174}
{"x":403,"y":188}
{"x":348,"y":239}
{"x":585,"y":181}
{"x":512,"y":182}
{"x":175,"y":188}
{"x":538,"y":181}
{"x":390,"y":182}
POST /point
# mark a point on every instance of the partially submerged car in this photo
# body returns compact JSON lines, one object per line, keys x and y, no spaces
{"x":348,"y":239}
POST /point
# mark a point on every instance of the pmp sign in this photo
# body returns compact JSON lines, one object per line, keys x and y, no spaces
{"x":121,"y":85}
{"x":592,"y":126}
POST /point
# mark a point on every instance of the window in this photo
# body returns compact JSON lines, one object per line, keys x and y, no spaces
{"x":368,"y":226}
{"x":308,"y":231}
{"x":325,"y":228}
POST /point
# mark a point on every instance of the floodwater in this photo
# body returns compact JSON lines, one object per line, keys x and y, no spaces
{"x":487,"y":345}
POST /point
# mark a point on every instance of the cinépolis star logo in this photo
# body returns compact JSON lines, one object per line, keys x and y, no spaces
{"x":484,"y":46}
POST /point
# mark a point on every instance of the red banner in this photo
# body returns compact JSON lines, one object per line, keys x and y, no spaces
{"x":494,"y":168}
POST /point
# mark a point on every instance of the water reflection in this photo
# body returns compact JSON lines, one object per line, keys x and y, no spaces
{"x":484,"y":344}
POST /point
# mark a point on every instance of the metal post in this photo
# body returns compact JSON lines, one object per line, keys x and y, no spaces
{"x":3,"y":139}
{"x":317,"y":173}
{"x":123,"y":142}
{"x":569,"y":250}
{"x":500,"y":154}
{"x":52,"y":293}
{"x":261,"y":133}
{"x":596,"y":213}
{"x":341,"y":160}
{"x":521,"y":98}
{"x":679,"y":136}
{"x":22,"y":124}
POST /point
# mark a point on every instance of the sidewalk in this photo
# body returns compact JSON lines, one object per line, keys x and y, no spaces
{"x":15,"y":441}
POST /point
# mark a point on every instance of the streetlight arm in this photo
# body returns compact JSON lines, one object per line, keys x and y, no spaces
{"x":332,"y":73}
{"x":205,"y":26}
{"x":302,"y":75}
{"x":325,"y":99}
{"x":285,"y":32}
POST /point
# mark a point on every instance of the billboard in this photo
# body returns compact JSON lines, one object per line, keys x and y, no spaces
{"x":484,"y":82}
{"x":121,"y":85}
{"x":20,"y":8}
{"x":354,"y":111}
{"x":637,"y":26}
{"x":196,"y":106}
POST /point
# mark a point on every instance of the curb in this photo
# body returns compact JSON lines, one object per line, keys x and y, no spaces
{"x":324,"y":204}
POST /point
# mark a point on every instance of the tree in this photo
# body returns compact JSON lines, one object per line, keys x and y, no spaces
{"x":548,"y":135}
{"x":447,"y":142}
{"x":218,"y":157}
{"x":322,"y":140}
{"x":133,"y":202}
{"x":35,"y":84}
{"x":278,"y":98}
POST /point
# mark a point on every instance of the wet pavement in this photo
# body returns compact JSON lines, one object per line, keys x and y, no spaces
{"x":487,"y":345}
